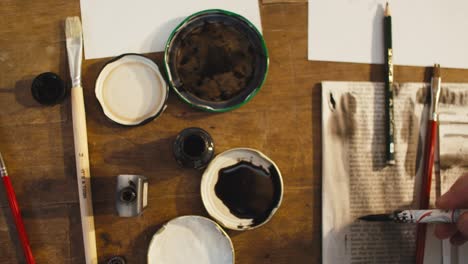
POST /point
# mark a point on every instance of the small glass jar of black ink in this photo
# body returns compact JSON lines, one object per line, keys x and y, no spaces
{"x":193,"y":148}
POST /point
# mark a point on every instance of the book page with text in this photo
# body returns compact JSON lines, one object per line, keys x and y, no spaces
{"x":356,"y":179}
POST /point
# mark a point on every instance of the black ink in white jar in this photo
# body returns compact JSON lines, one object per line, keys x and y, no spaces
{"x":242,"y":189}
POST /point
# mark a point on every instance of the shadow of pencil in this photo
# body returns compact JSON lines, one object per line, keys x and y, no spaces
{"x":317,"y":166}
{"x":377,"y":71}
{"x":377,"y":74}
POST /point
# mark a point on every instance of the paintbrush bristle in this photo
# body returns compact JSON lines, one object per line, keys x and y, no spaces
{"x":73,"y":27}
{"x":74,"y":48}
{"x":436,"y":71}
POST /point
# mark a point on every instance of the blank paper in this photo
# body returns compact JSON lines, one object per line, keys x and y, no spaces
{"x":114,"y":27}
{"x":424,"y":31}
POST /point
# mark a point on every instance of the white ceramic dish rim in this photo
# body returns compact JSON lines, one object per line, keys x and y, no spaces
{"x":208,"y":199}
{"x":114,"y":63}
{"x":216,"y":225}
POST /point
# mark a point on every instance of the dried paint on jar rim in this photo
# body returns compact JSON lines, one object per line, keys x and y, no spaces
{"x":224,"y":78}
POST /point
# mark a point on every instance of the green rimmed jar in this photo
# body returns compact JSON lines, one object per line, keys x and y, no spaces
{"x":216,"y":60}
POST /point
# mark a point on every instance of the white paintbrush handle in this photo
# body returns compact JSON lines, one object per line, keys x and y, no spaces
{"x":83,"y":176}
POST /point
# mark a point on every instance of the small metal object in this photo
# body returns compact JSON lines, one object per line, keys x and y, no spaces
{"x":132,"y":195}
{"x":435,"y":93}
{"x":116,"y":260}
{"x":3,"y":170}
{"x":193,"y":148}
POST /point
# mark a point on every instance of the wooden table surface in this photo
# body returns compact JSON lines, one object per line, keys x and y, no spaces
{"x":282,"y":121}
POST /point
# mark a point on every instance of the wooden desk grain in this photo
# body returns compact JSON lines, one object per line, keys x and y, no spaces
{"x":283,"y":121}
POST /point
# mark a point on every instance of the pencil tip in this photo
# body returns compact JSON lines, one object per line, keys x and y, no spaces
{"x":387,"y":9}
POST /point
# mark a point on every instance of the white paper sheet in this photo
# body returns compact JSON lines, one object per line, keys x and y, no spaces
{"x":114,"y":27}
{"x":424,"y":31}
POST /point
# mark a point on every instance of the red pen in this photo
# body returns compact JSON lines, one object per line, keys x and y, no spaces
{"x":428,"y":161}
{"x":16,"y":212}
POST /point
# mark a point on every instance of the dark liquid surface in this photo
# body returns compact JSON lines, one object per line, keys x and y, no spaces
{"x":249,"y":191}
{"x":194,"y":146}
{"x":215,"y":61}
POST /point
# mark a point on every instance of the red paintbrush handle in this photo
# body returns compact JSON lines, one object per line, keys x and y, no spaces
{"x":431,"y":136}
{"x":18,"y":220}
{"x":420,"y":243}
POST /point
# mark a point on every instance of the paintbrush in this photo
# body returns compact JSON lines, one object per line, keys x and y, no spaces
{"x":428,"y":160}
{"x":74,"y":50}
{"x":417,"y":216}
{"x":15,"y":211}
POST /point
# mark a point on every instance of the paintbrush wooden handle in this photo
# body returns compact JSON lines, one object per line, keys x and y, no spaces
{"x":83,"y":175}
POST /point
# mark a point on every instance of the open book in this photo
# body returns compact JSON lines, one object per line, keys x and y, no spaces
{"x":357,"y":181}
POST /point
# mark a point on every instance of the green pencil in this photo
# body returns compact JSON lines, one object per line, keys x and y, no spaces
{"x":390,"y":124}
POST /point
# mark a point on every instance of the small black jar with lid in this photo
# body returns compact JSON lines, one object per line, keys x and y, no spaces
{"x":48,"y":89}
{"x":193,"y":148}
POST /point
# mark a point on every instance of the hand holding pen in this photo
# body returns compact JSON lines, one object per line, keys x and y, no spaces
{"x":452,"y":222}
{"x":456,"y":197}
{"x":427,"y":216}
